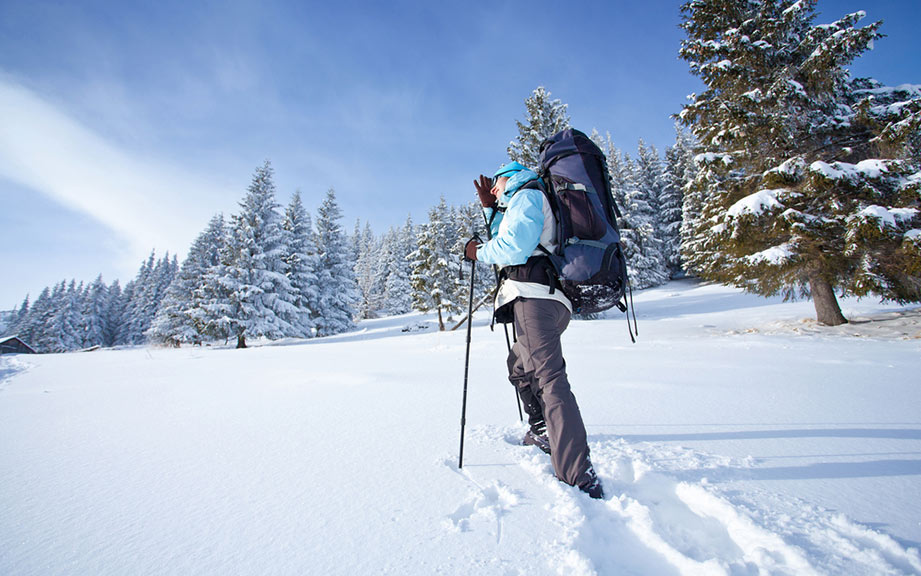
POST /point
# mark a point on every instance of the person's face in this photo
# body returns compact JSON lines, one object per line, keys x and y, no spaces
{"x":498,"y":188}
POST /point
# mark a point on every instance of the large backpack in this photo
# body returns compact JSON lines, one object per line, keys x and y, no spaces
{"x":589,"y":261}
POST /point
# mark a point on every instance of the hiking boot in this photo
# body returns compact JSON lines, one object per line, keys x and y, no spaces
{"x":539,"y":440}
{"x":591,"y":484}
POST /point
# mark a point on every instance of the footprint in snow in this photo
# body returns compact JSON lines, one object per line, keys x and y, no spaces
{"x":489,"y":503}
{"x":693,"y":528}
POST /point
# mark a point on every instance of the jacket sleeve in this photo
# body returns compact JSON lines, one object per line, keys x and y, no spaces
{"x":524,"y":222}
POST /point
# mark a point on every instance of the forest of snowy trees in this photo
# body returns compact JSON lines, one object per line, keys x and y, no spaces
{"x":788,"y":178}
{"x":268,"y":272}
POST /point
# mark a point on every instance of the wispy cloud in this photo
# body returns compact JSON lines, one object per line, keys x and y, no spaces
{"x":148,"y":202}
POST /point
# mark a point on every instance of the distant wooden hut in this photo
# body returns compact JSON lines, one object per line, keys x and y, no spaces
{"x":13,"y":345}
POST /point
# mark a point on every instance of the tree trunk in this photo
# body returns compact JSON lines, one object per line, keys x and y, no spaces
{"x":441,"y":324}
{"x":827,"y":310}
{"x":241,"y":341}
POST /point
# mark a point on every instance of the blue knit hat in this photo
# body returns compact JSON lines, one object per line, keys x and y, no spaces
{"x":509,"y":169}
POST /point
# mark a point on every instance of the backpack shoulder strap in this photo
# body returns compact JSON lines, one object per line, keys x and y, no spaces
{"x":547,"y":189}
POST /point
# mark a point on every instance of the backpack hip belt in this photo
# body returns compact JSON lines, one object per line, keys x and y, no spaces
{"x":538,"y":270}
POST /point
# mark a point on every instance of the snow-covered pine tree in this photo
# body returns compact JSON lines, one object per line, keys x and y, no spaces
{"x":20,"y":319}
{"x":95,"y":313}
{"x":140,"y":303}
{"x":809,"y":186}
{"x":68,"y":323}
{"x":338,"y":292}
{"x":544,"y":118}
{"x":180,"y":315}
{"x":32,"y":329}
{"x":170,"y":325}
{"x":260,"y":295}
{"x":147,"y":301}
{"x":210,"y":307}
{"x":642,"y":246}
{"x":123,"y":322}
{"x":383,"y":268}
{"x":58,"y":332}
{"x":398,"y":288}
{"x":301,"y":264}
{"x":884,"y":228}
{"x":620,"y":173}
{"x":682,"y":172}
{"x":115,"y":314}
{"x":649,"y":175}
{"x":366,"y":272}
{"x":434,"y":279}
{"x":677,"y":172}
{"x":143,"y":298}
{"x":355,"y":242}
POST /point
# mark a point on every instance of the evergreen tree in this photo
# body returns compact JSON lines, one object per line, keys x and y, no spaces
{"x":140,"y":305}
{"x":144,"y":296}
{"x":384,"y":263}
{"x":366,"y":272}
{"x":39,"y":320}
{"x":389,"y":257}
{"x":681,"y":173}
{"x":398,"y":287}
{"x":20,"y":320}
{"x":95,"y":313}
{"x":355,"y":242}
{"x":116,"y":333}
{"x":638,"y":220}
{"x":57,"y":332}
{"x":545,"y":117}
{"x":211,"y":308}
{"x":150,"y":290}
{"x":338,"y":293}
{"x":301,"y":264}
{"x":62,"y":332}
{"x":261,"y":297}
{"x":807,"y":177}
{"x":641,"y":243}
{"x":649,"y":175}
{"x":115,"y":315}
{"x":179,"y":316}
{"x":672,"y":203}
{"x":433,"y":280}
{"x":620,"y":174}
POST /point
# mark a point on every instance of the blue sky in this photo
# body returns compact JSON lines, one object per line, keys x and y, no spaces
{"x":124,"y":126}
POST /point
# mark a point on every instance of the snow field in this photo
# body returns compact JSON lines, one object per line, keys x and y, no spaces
{"x":729,"y":441}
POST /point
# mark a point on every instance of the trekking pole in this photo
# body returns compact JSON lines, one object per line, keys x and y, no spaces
{"x":460,"y":463}
{"x":508,"y":343}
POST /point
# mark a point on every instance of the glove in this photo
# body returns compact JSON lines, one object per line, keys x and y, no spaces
{"x":470,"y":249}
{"x":483,"y":187}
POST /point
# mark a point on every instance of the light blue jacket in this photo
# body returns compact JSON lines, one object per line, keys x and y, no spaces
{"x":523,"y":223}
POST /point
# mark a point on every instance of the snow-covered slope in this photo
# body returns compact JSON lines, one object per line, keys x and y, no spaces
{"x":736,"y":437}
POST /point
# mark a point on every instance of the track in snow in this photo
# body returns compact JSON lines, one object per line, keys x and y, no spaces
{"x":652,"y":521}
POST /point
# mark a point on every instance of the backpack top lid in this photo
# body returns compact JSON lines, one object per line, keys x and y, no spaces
{"x":574,"y":156}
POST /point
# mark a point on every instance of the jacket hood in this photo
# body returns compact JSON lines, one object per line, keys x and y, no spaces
{"x":515,"y":182}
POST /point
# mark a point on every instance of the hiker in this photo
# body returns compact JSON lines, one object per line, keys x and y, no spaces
{"x":520,"y":219}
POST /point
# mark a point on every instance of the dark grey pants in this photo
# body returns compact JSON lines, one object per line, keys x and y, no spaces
{"x":538,"y":370}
